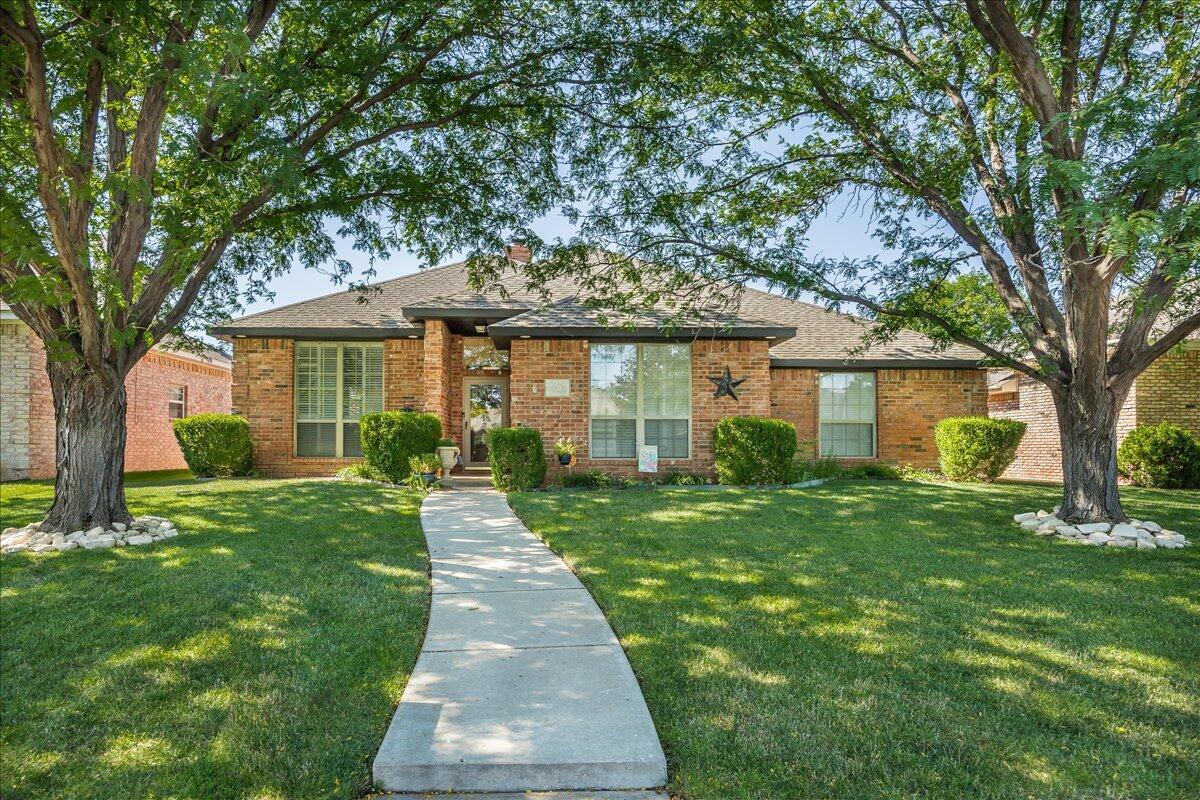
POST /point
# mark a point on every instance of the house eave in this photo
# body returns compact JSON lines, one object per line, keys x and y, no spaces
{"x":851,"y":365}
{"x":503,"y":335}
{"x":228,"y":332}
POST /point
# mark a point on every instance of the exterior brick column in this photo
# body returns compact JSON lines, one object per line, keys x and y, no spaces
{"x":439,"y":382}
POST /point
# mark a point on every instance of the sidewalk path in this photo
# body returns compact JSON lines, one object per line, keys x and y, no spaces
{"x":521,"y":684}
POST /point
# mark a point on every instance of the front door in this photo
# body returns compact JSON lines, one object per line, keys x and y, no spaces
{"x":485,"y":406}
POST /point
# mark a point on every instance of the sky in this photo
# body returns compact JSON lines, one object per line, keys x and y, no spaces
{"x":842,"y":231}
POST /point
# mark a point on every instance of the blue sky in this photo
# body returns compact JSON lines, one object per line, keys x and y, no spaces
{"x":842,"y":231}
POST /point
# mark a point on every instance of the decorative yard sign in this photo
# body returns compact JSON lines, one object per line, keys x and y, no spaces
{"x":648,"y":458}
{"x":726,"y":384}
{"x":558,"y":387}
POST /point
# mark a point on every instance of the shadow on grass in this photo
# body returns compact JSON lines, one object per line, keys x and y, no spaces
{"x":886,"y":639}
{"x":258,"y":654}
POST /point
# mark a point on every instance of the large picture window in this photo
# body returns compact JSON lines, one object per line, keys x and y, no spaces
{"x":335,"y":385}
{"x":640,"y":394}
{"x":847,"y":407}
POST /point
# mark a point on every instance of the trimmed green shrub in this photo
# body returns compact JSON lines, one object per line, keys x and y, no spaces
{"x":977,"y":448}
{"x":1162,"y":456}
{"x":215,"y":444}
{"x":517,"y":458}
{"x":751,"y":450}
{"x":390,"y":438}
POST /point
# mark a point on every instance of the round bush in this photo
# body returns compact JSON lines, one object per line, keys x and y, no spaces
{"x":750,"y":450}
{"x":1160,"y":456}
{"x":215,"y":444}
{"x":977,"y":448}
{"x":517,"y":458}
{"x":390,"y":438}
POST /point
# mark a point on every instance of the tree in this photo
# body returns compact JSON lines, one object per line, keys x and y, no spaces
{"x":159,"y":156}
{"x":1046,"y":153}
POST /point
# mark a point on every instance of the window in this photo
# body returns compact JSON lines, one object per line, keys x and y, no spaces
{"x":847,"y":403}
{"x":481,"y":354}
{"x":640,"y":394}
{"x":176,"y":402}
{"x":335,"y":385}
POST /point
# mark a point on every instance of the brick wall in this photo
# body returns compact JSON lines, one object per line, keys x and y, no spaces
{"x":1039,"y":456}
{"x":15,"y":370}
{"x":909,"y":403}
{"x":27,"y":436}
{"x":151,"y":441}
{"x":794,"y":398}
{"x":1168,"y":391}
{"x":438,"y":374}
{"x":534,"y":361}
{"x":263,"y":386}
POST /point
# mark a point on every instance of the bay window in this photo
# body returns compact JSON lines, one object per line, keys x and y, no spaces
{"x":847,"y":409}
{"x":641,"y":394}
{"x":336,"y":383}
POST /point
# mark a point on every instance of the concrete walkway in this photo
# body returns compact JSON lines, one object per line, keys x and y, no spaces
{"x":521,"y":684}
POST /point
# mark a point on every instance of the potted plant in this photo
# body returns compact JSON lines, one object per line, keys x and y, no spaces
{"x":427,"y":465}
{"x":447,"y":452}
{"x":565,"y":449}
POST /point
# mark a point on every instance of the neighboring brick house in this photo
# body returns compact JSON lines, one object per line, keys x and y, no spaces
{"x":1168,"y":391}
{"x":304,"y":373}
{"x":164,"y":384}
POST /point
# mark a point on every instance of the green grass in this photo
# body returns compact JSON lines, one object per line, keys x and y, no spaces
{"x":884,"y":640}
{"x":257,"y":655}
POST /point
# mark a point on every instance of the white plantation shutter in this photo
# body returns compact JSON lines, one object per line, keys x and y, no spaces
{"x":640,"y":394}
{"x":326,"y":418}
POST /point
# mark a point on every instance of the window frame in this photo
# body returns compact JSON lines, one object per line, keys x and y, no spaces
{"x":874,"y":422}
{"x":639,"y":415}
{"x":182,"y":402}
{"x":339,"y":420}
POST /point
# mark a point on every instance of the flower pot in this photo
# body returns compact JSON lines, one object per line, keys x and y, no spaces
{"x":564,"y":459}
{"x":428,"y":477}
{"x":449,"y":457}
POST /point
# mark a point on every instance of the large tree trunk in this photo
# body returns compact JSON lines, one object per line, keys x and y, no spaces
{"x":1087,"y":425}
{"x":89,"y":418}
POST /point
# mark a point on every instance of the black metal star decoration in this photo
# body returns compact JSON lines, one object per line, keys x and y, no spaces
{"x":726,"y":385}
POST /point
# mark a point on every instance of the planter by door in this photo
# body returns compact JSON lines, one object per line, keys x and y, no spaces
{"x":485,"y":406}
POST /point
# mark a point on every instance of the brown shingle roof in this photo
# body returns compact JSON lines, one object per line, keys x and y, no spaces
{"x":817,"y":337}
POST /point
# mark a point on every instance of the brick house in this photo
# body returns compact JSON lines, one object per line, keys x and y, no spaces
{"x":165,"y":384}
{"x":304,"y":373}
{"x":1168,"y":391}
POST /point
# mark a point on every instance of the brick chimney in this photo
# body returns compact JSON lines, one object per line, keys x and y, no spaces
{"x":519,"y":251}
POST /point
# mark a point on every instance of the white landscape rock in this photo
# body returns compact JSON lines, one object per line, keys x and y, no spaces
{"x":1140,"y":534}
{"x":141,"y":531}
{"x":1124,"y":530}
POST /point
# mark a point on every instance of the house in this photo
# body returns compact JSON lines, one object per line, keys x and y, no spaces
{"x":1168,"y":391}
{"x":165,"y":384}
{"x":303,"y":374}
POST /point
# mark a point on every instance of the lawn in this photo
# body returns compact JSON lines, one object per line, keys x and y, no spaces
{"x":887,"y":640}
{"x":257,"y":655}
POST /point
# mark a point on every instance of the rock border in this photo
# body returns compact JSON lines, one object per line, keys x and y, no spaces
{"x":32,"y":539}
{"x":1137,"y":534}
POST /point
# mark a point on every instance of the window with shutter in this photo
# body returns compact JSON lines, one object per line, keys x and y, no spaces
{"x":336,"y":383}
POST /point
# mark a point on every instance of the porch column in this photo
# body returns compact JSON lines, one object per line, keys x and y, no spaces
{"x":438,"y":383}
